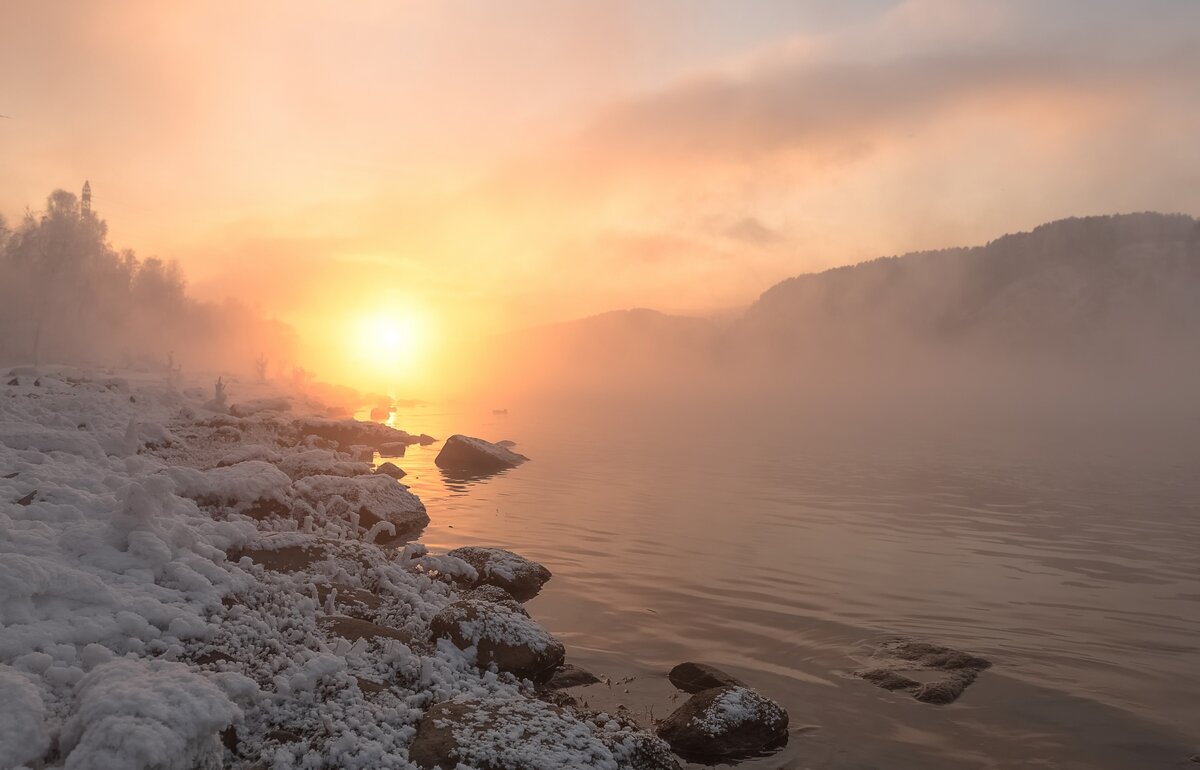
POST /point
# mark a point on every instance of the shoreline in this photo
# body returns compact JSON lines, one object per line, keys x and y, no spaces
{"x":211,"y":584}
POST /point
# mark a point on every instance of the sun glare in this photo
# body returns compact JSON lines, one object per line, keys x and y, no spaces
{"x":389,"y":344}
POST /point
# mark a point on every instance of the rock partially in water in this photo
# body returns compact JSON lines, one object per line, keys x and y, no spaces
{"x":503,"y":635}
{"x":725,"y":722}
{"x":392,"y":449}
{"x":425,"y":439}
{"x":696,"y":677}
{"x":465,"y":454}
{"x":516,"y":733}
{"x":489,"y":593}
{"x":894,"y":656}
{"x":391,"y":469}
{"x":499,"y":567}
{"x":571,"y":676}
{"x":506,"y":443}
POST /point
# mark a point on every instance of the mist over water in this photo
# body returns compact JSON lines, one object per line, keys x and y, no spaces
{"x":770,"y":543}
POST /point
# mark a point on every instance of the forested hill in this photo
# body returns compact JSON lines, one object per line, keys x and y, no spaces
{"x":1080,"y":283}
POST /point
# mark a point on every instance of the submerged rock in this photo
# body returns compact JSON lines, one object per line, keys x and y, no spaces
{"x":465,"y":454}
{"x":516,"y":733}
{"x":895,"y":656}
{"x":499,"y":567}
{"x":695,"y":677}
{"x":503,"y":635}
{"x":725,"y":722}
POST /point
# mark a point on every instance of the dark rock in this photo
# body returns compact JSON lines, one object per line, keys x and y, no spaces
{"x":694,"y":677}
{"x":483,"y":734}
{"x":425,"y":439}
{"x":391,"y":469}
{"x":571,"y":676}
{"x":367,"y":686}
{"x":392,"y":449}
{"x":291,"y":558}
{"x":507,"y":443}
{"x":14,"y":381}
{"x":37,"y":383}
{"x":889,"y":679}
{"x":229,"y":738}
{"x":499,"y":567}
{"x":725,"y":722}
{"x":211,"y":657}
{"x":28,"y":499}
{"x":283,"y":736}
{"x":353,"y":629}
{"x":465,"y":454}
{"x":361,"y":453}
{"x":945,"y":690}
{"x":904,"y":654}
{"x":503,"y":635}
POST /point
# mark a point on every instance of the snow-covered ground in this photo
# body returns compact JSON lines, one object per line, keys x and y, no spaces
{"x":185,"y":588}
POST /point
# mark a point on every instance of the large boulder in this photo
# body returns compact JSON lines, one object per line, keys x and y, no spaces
{"x":725,"y":722}
{"x":697,"y":677}
{"x":502,"y":568}
{"x":502,"y":635}
{"x":517,"y":733}
{"x":468,"y":455}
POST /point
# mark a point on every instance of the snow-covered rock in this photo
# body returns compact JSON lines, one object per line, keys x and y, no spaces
{"x":465,"y":454}
{"x":244,"y":486}
{"x":724,"y":722}
{"x":320,"y":462}
{"x":349,"y":432}
{"x":146,"y":715}
{"x":502,"y":635}
{"x":517,"y":733}
{"x":371,"y":499}
{"x":499,"y":567}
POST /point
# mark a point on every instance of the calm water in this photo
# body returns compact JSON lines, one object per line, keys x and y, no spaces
{"x":1071,"y":560}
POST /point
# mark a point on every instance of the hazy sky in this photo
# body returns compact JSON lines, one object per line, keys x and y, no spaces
{"x":490,"y":164}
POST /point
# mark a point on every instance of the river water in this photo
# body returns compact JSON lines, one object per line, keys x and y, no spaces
{"x":783,"y":554}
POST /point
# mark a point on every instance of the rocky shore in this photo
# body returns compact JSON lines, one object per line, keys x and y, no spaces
{"x":190,"y":583}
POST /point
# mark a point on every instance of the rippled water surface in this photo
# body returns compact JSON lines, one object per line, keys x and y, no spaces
{"x":1071,"y":560}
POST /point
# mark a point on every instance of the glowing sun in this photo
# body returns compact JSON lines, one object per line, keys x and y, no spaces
{"x":389,"y":342}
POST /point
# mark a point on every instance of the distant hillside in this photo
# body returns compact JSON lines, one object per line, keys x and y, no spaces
{"x":1081,"y":284}
{"x":1096,"y":291}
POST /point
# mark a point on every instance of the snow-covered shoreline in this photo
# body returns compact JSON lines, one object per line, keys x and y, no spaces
{"x":189,"y":585}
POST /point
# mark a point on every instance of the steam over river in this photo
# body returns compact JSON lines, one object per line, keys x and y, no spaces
{"x":782,"y":552}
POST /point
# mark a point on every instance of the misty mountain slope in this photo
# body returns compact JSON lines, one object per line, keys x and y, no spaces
{"x":1082,"y":283}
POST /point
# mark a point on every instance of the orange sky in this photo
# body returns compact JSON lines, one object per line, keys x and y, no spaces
{"x":470,"y":166}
